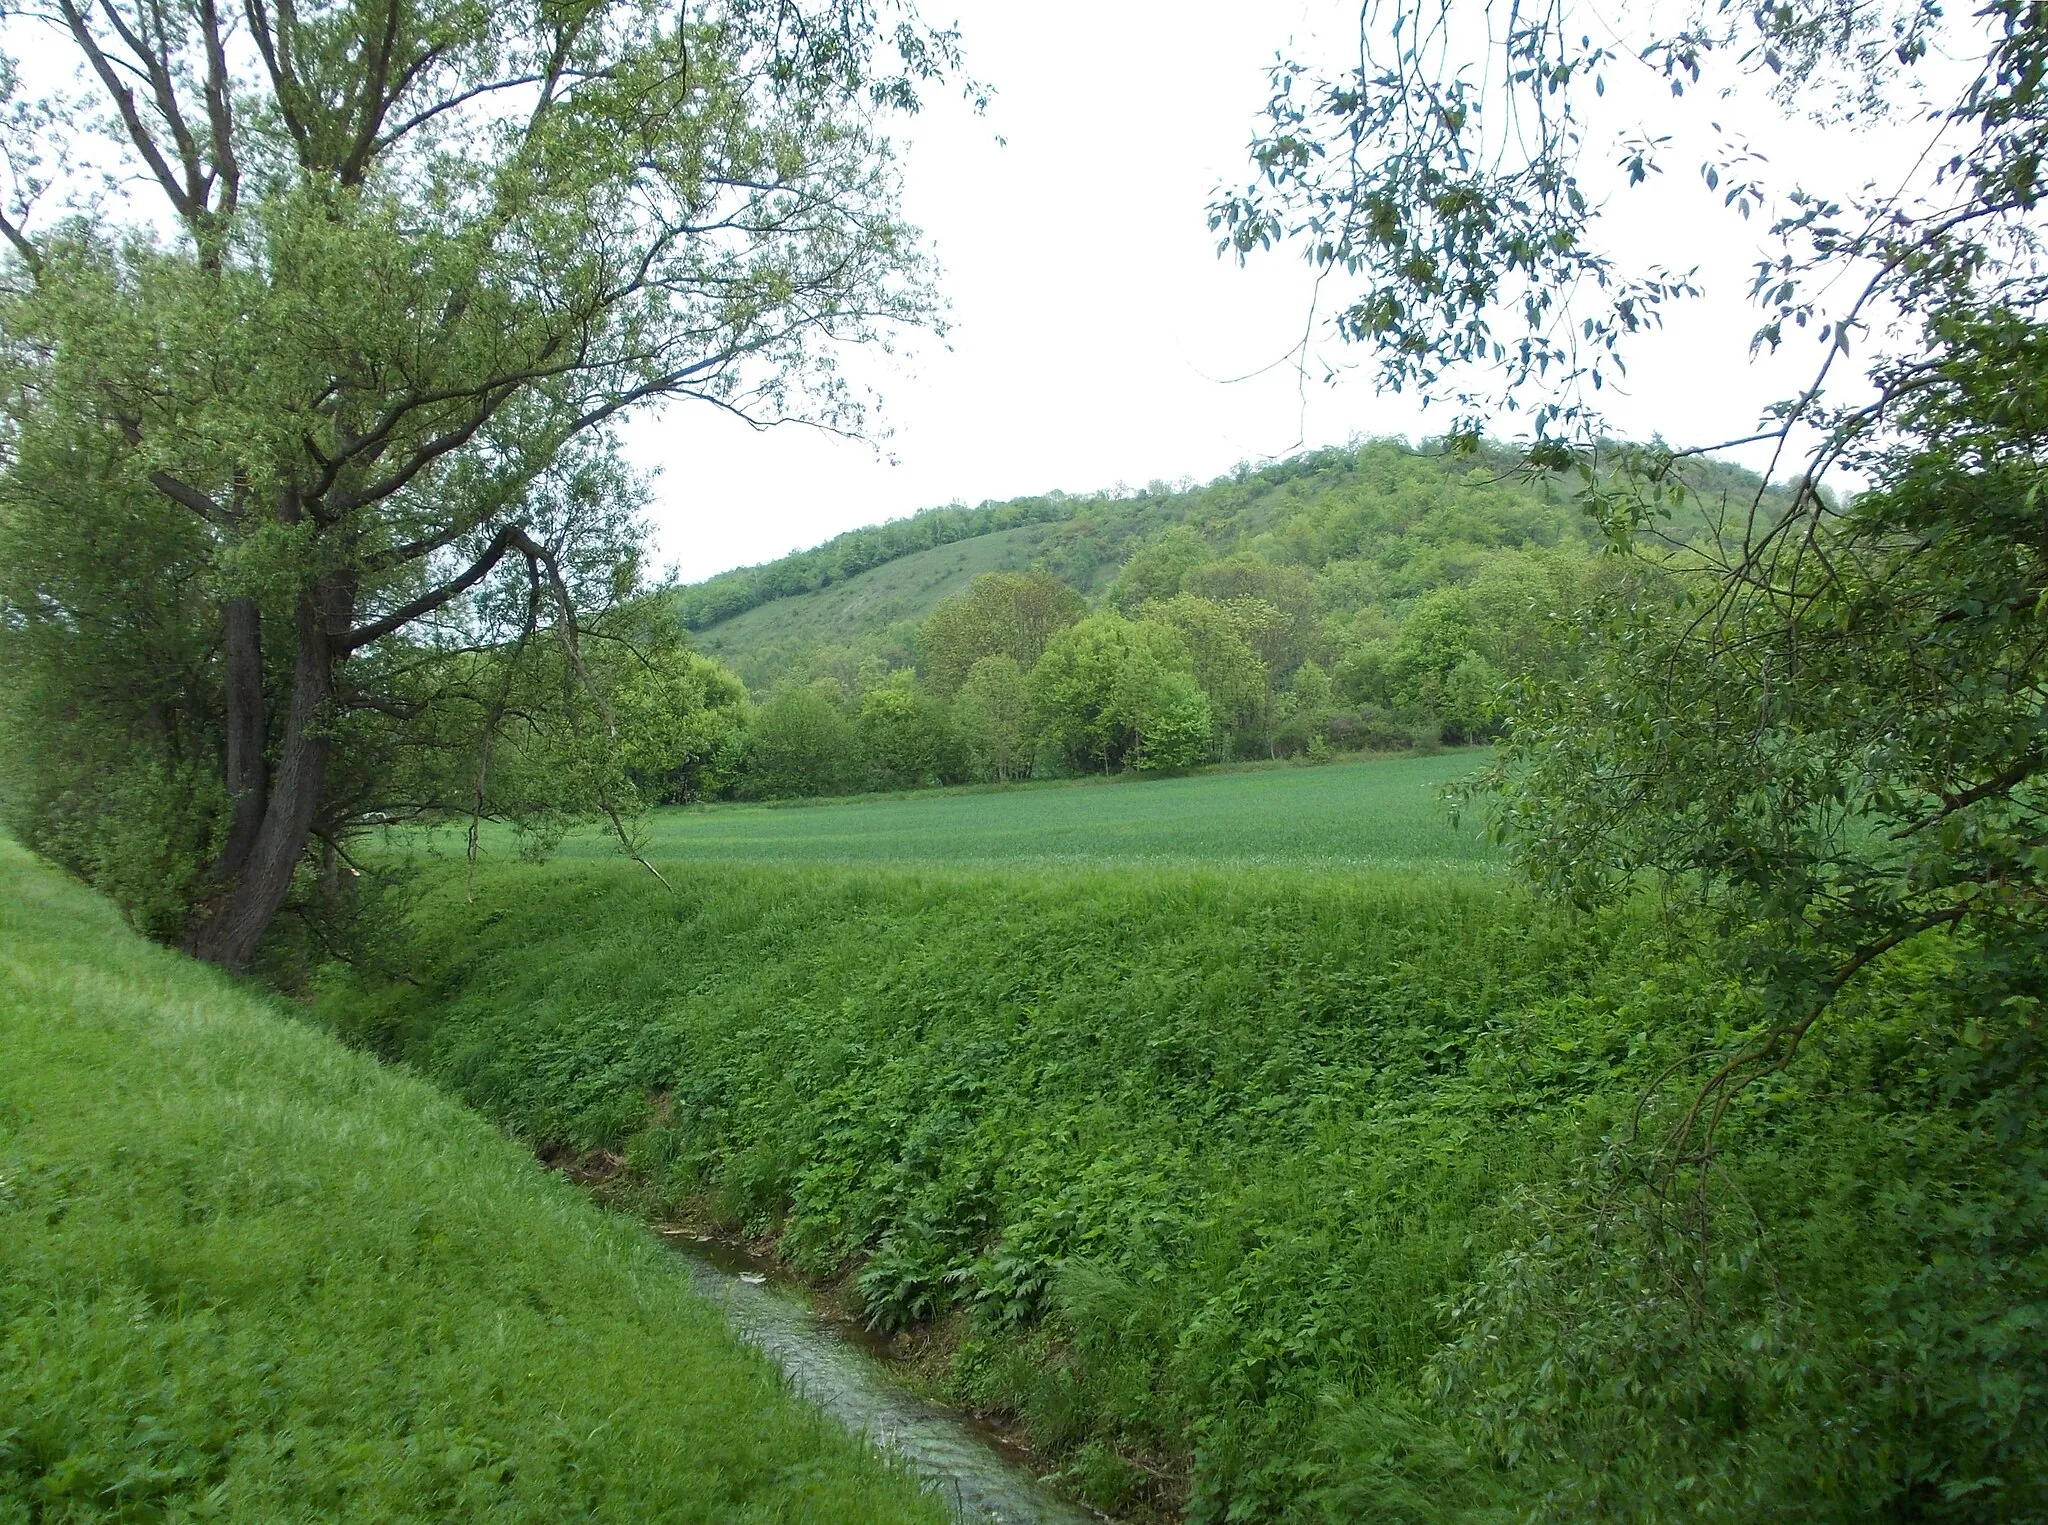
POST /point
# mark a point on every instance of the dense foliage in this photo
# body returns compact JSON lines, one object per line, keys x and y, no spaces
{"x":1834,"y":738}
{"x":1264,"y":1195}
{"x":1377,"y":525}
{"x":1823,"y":719}
{"x":1817,"y":728}
{"x":247,"y":1276}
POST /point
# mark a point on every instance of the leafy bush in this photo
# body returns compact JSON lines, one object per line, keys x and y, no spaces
{"x":799,"y":745}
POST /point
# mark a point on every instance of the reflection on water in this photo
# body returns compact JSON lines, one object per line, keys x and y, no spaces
{"x":985,"y":1480}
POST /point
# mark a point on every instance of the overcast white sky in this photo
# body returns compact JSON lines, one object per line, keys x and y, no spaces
{"x":1095,"y":331}
{"x":1094,"y":328}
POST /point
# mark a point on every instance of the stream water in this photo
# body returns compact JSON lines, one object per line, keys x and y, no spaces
{"x":985,"y":1480}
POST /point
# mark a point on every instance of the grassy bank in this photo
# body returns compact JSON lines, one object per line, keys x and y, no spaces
{"x":964,"y":1089}
{"x":248,"y":1275}
{"x":1282,"y":1196}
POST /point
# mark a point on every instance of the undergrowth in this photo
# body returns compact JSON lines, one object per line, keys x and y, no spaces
{"x":1298,"y":1197}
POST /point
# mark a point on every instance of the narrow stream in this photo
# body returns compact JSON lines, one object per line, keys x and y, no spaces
{"x":963,"y":1462}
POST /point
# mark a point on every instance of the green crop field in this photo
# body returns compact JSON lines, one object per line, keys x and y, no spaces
{"x":1379,"y":814}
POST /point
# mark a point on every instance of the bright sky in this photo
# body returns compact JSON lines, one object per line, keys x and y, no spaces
{"x":1095,"y":330}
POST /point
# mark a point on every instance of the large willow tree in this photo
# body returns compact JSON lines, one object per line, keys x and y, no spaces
{"x":319,"y":319}
{"x":1826,"y":719}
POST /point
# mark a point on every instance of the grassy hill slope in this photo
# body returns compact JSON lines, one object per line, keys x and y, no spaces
{"x":884,"y":603}
{"x":248,"y":1275}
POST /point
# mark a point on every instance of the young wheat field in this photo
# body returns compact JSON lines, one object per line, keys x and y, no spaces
{"x":1352,"y":815}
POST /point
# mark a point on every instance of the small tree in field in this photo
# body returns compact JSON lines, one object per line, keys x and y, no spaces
{"x":308,"y":465}
{"x":799,"y":744}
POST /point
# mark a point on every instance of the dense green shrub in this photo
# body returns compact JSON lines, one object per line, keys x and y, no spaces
{"x":799,"y":744}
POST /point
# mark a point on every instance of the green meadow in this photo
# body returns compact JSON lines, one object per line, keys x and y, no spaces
{"x":246,"y":1274}
{"x":1342,"y":816}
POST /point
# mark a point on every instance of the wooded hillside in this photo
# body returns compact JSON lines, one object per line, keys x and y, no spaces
{"x":1381,"y":597}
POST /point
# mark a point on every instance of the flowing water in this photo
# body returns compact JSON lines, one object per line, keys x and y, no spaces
{"x":985,"y":1480}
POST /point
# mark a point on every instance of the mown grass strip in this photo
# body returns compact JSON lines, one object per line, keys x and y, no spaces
{"x":246,"y":1274}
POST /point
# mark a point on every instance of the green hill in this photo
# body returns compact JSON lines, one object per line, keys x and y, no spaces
{"x":880,"y":607}
{"x":1371,"y":530}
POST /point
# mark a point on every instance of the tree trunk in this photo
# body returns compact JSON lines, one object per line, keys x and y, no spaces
{"x":229,"y":934}
{"x":247,"y":735}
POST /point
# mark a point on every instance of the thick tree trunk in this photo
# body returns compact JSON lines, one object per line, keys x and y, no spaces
{"x":229,"y":934}
{"x":247,"y":735}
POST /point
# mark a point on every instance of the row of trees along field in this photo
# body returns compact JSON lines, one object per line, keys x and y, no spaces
{"x":1192,"y":659}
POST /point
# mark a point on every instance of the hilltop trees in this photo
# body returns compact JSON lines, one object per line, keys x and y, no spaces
{"x":308,"y":438}
{"x":1412,"y":644}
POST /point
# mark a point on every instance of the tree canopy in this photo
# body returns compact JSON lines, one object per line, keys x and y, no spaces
{"x":1824,"y":715}
{"x":338,"y":372}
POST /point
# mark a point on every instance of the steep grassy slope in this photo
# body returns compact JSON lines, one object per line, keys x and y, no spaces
{"x":886,"y":603}
{"x":247,"y":1275}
